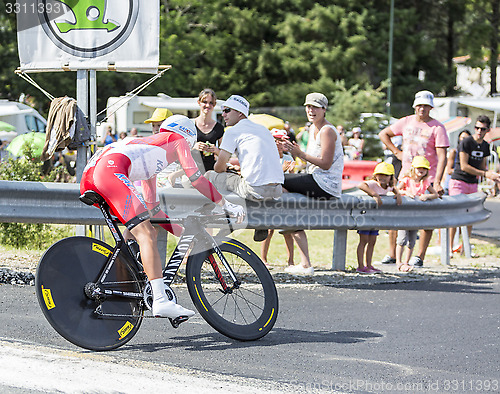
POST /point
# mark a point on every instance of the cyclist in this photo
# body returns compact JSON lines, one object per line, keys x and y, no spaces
{"x":112,"y":171}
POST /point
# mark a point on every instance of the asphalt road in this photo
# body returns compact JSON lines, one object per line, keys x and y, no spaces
{"x":491,"y":227}
{"x":414,"y":337}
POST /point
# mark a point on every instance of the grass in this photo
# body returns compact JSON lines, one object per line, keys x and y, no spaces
{"x":320,"y":247}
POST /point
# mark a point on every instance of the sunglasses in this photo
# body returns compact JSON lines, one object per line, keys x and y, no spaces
{"x":226,"y":110}
{"x":481,"y":128}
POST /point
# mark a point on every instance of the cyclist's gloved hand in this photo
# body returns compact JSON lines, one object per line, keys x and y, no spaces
{"x":234,"y":210}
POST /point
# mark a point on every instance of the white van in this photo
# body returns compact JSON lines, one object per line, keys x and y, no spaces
{"x":123,"y":116}
{"x":23,"y":117}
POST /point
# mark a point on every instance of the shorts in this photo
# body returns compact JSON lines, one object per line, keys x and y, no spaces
{"x":457,"y":187}
{"x":305,"y":184}
{"x":109,"y":178}
{"x":368,"y":232}
{"x":407,"y":237}
{"x":226,"y":181}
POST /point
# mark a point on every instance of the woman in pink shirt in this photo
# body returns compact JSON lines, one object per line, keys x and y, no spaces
{"x":413,"y":184}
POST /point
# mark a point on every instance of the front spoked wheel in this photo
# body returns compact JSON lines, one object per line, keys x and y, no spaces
{"x":63,"y":280}
{"x":245,"y":310}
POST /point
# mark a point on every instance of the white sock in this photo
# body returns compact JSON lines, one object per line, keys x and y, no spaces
{"x":158,"y":289}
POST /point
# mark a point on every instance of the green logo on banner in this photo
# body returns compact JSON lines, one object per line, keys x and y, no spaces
{"x":89,"y":14}
{"x":89,"y":28}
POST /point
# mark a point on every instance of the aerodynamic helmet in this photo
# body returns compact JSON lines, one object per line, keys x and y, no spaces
{"x":181,"y":125}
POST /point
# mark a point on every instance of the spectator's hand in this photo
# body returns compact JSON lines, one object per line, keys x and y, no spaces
{"x":234,"y":210}
{"x":172,"y":178}
{"x":212,"y":148}
{"x":201,"y":146}
{"x":424,"y":197}
{"x":377,"y":199}
{"x":399,"y":199}
{"x":293,"y":148}
{"x":439,"y":188}
{"x":288,"y":165}
{"x":493,"y":176}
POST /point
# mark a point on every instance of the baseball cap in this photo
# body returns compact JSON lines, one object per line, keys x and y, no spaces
{"x":384,"y":168}
{"x":237,"y":103}
{"x":316,"y":100}
{"x":356,"y":130}
{"x":420,"y":162}
{"x":279,"y":133}
{"x":159,"y":115}
{"x":424,"y":97}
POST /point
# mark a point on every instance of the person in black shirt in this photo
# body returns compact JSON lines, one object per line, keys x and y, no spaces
{"x":209,"y":131}
{"x":472,"y":164}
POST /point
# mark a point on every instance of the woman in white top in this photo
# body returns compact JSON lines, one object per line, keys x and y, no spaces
{"x":325,"y":163}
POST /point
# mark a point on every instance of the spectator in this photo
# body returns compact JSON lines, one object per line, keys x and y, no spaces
{"x":383,"y":182}
{"x":123,"y":135}
{"x":134,"y":133}
{"x":156,"y":120}
{"x":413,"y":184}
{"x":452,"y":159}
{"x":343,"y":137}
{"x":472,"y":164}
{"x":209,"y":131}
{"x":261,"y":173}
{"x":287,"y":163}
{"x":290,"y":132}
{"x":303,"y":136}
{"x":357,"y":143}
{"x":325,"y":163}
{"x":108,"y":136}
{"x":422,"y":136}
{"x":209,"y":136}
{"x":159,"y":115}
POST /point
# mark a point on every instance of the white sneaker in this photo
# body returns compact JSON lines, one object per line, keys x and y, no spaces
{"x":299,"y":269}
{"x":165,"y":308}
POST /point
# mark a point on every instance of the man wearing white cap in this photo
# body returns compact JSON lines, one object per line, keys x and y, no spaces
{"x":259,"y":160}
{"x":422,"y":136}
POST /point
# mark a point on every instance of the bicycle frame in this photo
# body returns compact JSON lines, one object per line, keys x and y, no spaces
{"x":193,"y":234}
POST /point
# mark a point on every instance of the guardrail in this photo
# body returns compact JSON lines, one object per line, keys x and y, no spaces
{"x":40,"y":202}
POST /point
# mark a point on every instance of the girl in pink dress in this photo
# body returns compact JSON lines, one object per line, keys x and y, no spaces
{"x":414,"y":184}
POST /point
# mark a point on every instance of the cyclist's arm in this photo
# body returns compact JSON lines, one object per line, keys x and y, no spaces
{"x":189,"y":166}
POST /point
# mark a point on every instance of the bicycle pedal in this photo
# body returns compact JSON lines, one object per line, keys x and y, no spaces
{"x":177,"y":321}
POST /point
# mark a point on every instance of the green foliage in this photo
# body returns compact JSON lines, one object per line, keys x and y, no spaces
{"x":274,"y":52}
{"x":34,"y":235}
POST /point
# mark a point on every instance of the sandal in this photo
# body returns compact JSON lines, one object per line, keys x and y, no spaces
{"x":405,"y":268}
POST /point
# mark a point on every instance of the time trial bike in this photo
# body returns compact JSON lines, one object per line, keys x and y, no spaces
{"x":96,"y":295}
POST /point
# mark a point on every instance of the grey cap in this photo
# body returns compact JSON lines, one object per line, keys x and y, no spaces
{"x":316,"y":100}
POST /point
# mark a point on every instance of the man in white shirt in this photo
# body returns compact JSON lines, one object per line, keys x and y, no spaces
{"x":261,"y":172}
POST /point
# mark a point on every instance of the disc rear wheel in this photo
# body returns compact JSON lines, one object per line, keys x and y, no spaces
{"x":69,"y":268}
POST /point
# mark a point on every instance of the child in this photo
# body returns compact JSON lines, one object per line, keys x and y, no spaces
{"x":381,"y":183}
{"x":288,"y":166}
{"x":414,"y":184}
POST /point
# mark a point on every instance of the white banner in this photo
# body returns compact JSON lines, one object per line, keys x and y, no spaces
{"x":56,"y":35}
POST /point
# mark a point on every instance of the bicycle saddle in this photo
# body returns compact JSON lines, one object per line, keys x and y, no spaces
{"x":91,"y":197}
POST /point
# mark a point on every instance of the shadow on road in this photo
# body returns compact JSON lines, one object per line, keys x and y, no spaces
{"x":472,"y":285}
{"x":278,"y":336}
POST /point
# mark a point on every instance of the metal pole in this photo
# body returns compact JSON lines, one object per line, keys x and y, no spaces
{"x":389,"y":66}
{"x":82,"y":99}
{"x":82,"y":93}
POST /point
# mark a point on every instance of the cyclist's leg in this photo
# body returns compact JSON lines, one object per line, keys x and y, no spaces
{"x":110,"y":179}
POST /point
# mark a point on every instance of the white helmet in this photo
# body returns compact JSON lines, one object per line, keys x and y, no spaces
{"x":181,"y":125}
